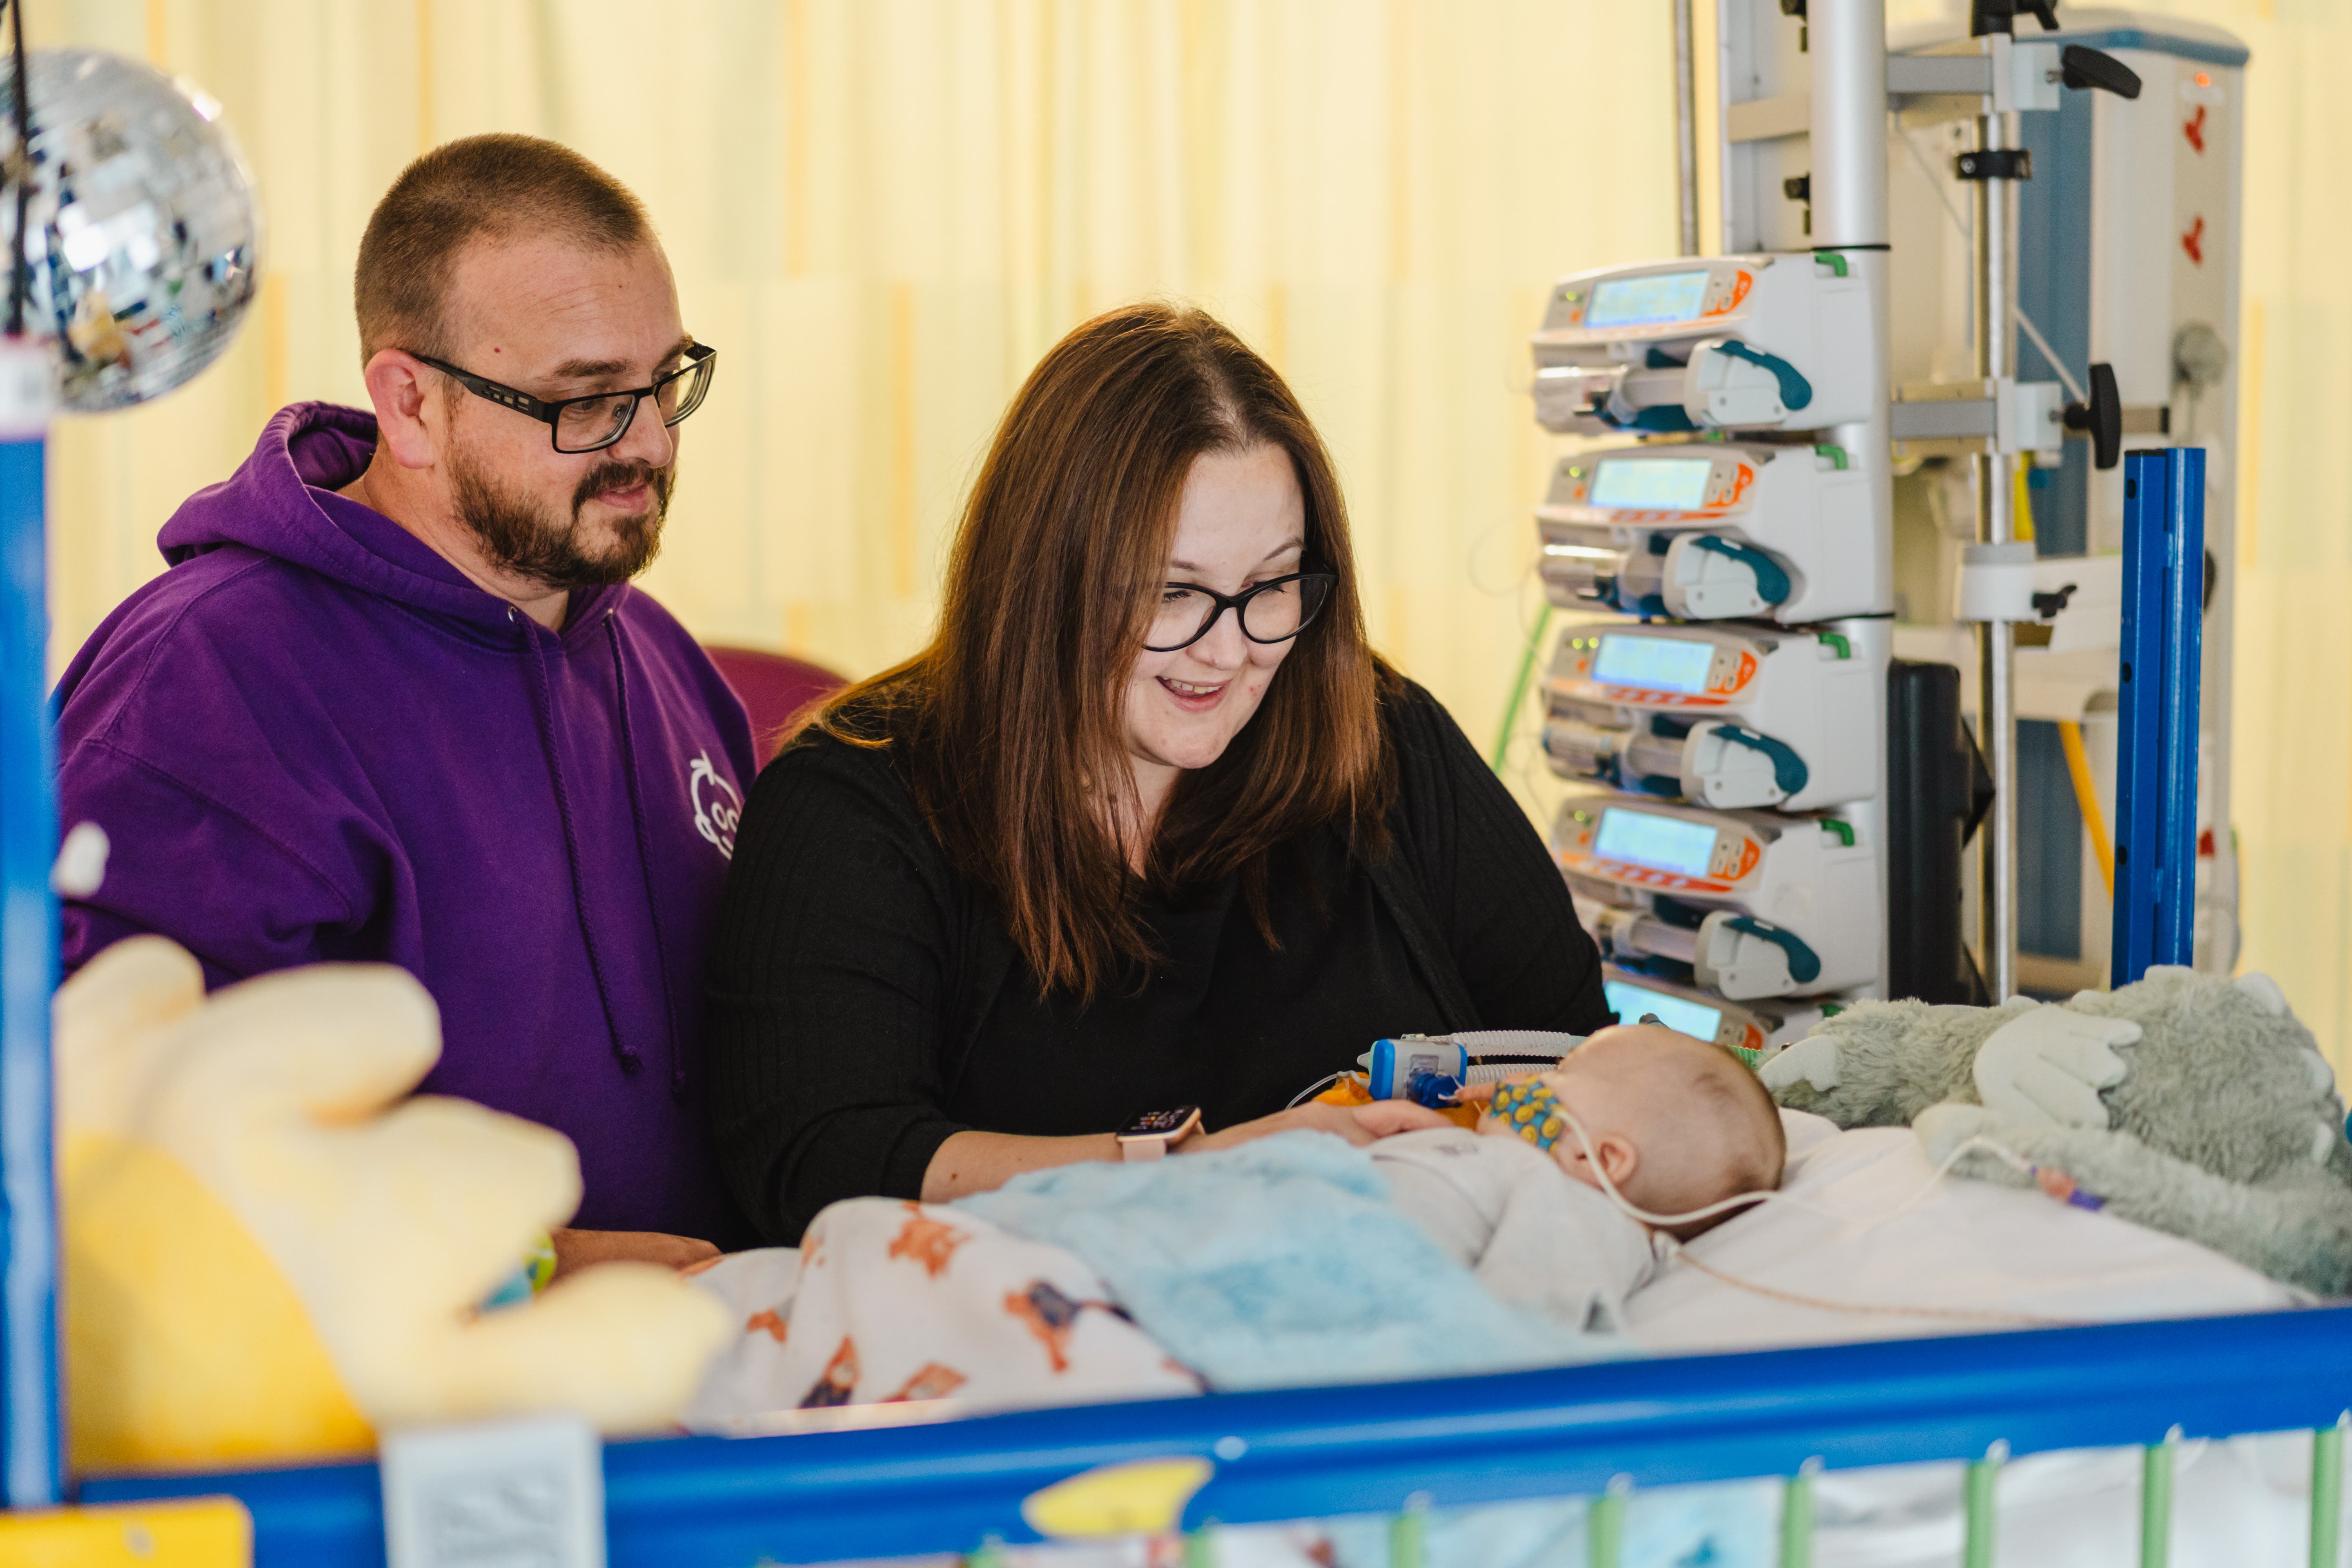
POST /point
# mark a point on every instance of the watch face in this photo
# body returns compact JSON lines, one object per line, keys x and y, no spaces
{"x":1161,"y":1124}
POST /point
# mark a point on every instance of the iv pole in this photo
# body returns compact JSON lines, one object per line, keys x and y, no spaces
{"x":1686,"y":124}
{"x":1996,"y":273}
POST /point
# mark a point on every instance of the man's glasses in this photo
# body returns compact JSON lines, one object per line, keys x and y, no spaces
{"x":1270,"y":612}
{"x":593,"y":423}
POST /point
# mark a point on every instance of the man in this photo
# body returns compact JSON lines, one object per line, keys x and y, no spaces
{"x":396,"y":701}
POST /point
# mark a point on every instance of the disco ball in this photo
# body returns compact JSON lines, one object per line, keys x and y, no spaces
{"x":141,"y":230}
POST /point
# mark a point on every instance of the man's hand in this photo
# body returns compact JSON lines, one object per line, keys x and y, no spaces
{"x":1359,"y":1124}
{"x":576,"y":1249}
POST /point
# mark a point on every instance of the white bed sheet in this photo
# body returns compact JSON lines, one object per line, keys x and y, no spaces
{"x":1963,"y":1247}
{"x":1965,"y":1257}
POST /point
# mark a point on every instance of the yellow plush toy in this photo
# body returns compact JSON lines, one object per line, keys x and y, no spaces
{"x":269,"y":1253}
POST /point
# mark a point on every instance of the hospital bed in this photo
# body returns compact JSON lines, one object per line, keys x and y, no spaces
{"x":905,"y":1483}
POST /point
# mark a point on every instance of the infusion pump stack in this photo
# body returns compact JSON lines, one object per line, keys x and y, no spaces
{"x":1718,"y":537}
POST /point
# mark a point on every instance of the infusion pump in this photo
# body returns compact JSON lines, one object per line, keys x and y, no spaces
{"x":1723,"y":716}
{"x":1702,"y":531}
{"x":1798,"y":896}
{"x":1756,"y":1033}
{"x":1731,"y":343}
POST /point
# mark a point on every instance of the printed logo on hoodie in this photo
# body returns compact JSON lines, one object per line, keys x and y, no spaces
{"x":717,"y":807}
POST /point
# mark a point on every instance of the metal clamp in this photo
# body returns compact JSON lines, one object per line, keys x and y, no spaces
{"x":1994,"y":164}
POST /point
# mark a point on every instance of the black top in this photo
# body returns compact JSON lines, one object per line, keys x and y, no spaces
{"x":867,"y":1001}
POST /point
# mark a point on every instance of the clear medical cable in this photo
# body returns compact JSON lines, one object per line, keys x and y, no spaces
{"x":1675,"y":1250}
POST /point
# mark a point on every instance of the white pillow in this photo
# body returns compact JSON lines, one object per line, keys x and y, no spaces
{"x":1965,"y":1257}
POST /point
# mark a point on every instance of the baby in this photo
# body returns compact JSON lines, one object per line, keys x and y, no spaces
{"x":1675,"y":1123}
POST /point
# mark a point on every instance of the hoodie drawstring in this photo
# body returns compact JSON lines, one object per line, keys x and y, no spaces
{"x":543,"y":702}
{"x":645,"y":851}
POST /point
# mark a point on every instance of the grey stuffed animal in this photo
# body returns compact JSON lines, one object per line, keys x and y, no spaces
{"x":2185,"y":1103}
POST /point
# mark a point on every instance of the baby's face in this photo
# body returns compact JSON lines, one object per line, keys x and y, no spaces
{"x":1619,"y":1086}
{"x":1631,"y":1090}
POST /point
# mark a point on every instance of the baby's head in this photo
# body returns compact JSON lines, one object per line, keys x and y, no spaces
{"x":1677,"y":1123}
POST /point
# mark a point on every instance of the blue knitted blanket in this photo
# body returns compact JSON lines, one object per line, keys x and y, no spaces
{"x":1279,"y":1263}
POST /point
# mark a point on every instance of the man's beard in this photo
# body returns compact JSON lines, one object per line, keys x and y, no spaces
{"x":519,"y":536}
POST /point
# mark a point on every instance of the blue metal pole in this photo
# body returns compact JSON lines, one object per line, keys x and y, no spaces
{"x":31,"y":1461}
{"x":2156,"y":746}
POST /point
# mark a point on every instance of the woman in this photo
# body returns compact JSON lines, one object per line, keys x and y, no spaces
{"x":1148,"y":826}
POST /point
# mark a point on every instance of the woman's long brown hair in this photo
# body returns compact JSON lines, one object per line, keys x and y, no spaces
{"x":1010,"y":725}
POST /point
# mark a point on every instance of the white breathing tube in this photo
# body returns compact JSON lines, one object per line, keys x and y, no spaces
{"x":1675,"y":1250}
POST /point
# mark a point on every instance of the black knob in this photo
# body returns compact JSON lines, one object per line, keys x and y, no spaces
{"x":2001,"y":15}
{"x":2080,"y":66}
{"x":2101,"y":417}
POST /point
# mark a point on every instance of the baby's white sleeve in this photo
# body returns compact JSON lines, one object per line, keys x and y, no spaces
{"x":1561,"y":1249}
{"x":1440,"y":1180}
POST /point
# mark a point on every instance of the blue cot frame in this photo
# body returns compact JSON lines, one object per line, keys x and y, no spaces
{"x":1397,"y":1447}
{"x":1393,"y":1449}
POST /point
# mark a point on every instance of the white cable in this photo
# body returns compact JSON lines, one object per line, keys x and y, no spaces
{"x":2026,"y":322}
{"x":1312,"y":1089}
{"x":1935,"y":183}
{"x":1773,"y":1196}
{"x":1675,"y":1250}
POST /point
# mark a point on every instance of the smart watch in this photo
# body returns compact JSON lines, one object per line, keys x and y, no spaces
{"x":1153,"y":1134}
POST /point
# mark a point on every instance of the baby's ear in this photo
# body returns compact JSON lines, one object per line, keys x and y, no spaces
{"x":2265,"y":993}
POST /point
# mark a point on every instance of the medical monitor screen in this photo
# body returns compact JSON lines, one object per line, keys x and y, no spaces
{"x":1654,"y":664}
{"x":1684,"y":1017}
{"x":1648,"y":300}
{"x":1664,"y":842}
{"x":1666,"y":484}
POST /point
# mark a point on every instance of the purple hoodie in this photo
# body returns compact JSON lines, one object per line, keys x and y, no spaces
{"x":313,"y":739}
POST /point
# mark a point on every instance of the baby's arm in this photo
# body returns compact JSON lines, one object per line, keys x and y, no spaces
{"x":1561,"y":1249}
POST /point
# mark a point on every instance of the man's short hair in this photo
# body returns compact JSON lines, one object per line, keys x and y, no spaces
{"x":481,"y":187}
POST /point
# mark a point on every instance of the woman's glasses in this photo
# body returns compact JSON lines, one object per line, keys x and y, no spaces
{"x":1270,"y":613}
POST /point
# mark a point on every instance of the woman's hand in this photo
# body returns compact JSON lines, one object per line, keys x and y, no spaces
{"x":578,"y":1249}
{"x":1358,"y":1124}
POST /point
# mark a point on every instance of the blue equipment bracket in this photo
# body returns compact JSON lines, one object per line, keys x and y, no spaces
{"x":2155,"y":745}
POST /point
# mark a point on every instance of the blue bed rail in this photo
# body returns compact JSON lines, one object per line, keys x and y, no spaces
{"x":1392,"y":1447}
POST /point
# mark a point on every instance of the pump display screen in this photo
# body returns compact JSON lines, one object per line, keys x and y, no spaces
{"x":1667,"y":484}
{"x":1664,"y":843}
{"x":1683,"y":1016}
{"x":1655,"y":664}
{"x":1642,"y":301}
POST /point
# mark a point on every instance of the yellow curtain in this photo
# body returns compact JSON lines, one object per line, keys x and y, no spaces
{"x":881,"y":210}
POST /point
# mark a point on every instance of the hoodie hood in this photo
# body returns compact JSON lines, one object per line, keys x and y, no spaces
{"x":282,"y":502}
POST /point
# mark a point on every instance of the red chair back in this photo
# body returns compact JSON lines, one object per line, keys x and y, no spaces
{"x":777,"y":689}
